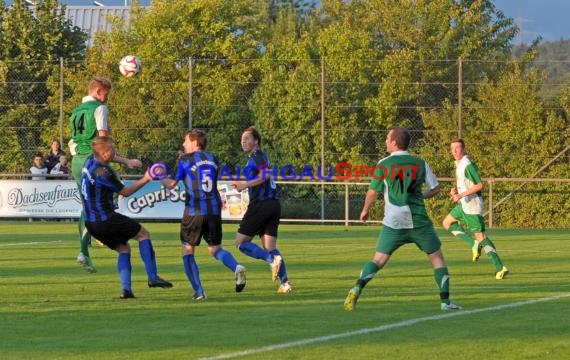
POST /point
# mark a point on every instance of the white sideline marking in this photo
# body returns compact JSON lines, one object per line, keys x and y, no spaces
{"x":381,"y":328}
{"x":32,"y":243}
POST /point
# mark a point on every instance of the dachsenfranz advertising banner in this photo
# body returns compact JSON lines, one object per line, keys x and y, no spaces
{"x":60,"y":199}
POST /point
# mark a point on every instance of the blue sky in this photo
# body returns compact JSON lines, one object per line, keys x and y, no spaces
{"x":546,"y":18}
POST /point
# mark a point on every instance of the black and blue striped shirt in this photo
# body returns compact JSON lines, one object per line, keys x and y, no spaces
{"x":199,"y":171}
{"x":99,"y":182}
{"x":258,"y":165}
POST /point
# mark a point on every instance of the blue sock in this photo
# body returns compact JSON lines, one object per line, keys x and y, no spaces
{"x":192,"y":273}
{"x":124,"y":267}
{"x":282,"y":270}
{"x":147,"y":255}
{"x":252,"y":250}
{"x":227,"y":259}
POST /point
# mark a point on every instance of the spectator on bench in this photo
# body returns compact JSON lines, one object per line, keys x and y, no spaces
{"x":39,"y":167}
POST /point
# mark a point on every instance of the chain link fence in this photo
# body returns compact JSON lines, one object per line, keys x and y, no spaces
{"x":37,"y":98}
{"x":310,"y":112}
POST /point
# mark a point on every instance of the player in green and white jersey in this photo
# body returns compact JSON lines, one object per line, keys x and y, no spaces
{"x":400,"y":178}
{"x":468,"y":214}
{"x":87,"y":121}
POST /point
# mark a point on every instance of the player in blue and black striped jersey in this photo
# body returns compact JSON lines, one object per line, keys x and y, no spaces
{"x":264,"y":209}
{"x":99,"y":182}
{"x":199,"y":170}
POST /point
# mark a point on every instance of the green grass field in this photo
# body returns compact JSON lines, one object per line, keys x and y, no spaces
{"x":51,"y":309}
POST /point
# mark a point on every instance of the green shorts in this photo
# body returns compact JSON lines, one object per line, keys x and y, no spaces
{"x":424,"y":237}
{"x":472,"y":222}
{"x":77,"y":166}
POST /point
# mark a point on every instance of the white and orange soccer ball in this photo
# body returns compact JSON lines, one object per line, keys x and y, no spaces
{"x":130,"y":65}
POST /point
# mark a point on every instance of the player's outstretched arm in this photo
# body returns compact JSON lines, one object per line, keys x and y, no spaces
{"x":133,"y":187}
{"x":130,"y":163}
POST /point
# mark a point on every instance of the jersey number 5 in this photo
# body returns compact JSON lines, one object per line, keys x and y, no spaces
{"x":207,"y":182}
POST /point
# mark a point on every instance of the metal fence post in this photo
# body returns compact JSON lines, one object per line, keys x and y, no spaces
{"x":190,"y":78}
{"x":61,"y":101}
{"x":459,"y":97}
{"x":491,"y":203}
{"x":322,"y":135}
{"x":346,"y":205}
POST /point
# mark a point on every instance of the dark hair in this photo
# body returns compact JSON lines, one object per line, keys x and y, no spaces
{"x":255,"y":133}
{"x":38,"y":154}
{"x":401,"y":137}
{"x":458,"y":140}
{"x":198,"y":135}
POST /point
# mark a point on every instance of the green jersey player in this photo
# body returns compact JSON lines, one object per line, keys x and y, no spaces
{"x":88,"y":121}
{"x":468,"y":214}
{"x":400,"y":178}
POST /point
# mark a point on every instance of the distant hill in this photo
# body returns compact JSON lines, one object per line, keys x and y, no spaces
{"x":554,"y":57}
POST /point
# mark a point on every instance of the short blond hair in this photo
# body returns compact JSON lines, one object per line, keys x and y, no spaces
{"x":100,"y":144}
{"x":99,"y":81}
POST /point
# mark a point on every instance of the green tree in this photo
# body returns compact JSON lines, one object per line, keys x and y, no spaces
{"x":553,"y":59}
{"x":509,"y":133}
{"x":285,"y":103}
{"x":385,"y":62}
{"x":32,"y":39}
{"x":215,"y":40}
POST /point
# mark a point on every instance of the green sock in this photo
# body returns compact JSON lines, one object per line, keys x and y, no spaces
{"x":442,"y":280}
{"x":457,"y":230}
{"x":491,"y":252}
{"x":368,"y":271}
{"x":84,"y":236}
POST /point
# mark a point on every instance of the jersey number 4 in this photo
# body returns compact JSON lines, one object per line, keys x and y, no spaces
{"x":79,"y":124}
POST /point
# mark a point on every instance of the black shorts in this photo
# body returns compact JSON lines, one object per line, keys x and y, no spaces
{"x":193,"y":228}
{"x":261,"y":218}
{"x":118,"y":229}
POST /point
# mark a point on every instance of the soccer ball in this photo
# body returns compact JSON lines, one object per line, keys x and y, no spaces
{"x":130,"y":65}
